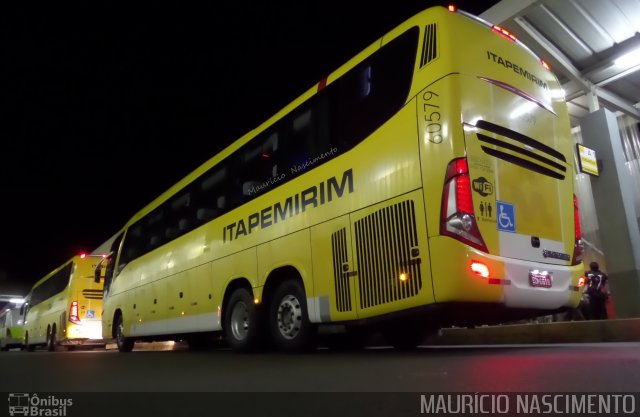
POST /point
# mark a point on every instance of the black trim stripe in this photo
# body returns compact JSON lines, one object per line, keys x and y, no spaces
{"x":92,"y":294}
{"x":526,"y":152}
{"x":523,"y":163}
{"x":519,"y":137}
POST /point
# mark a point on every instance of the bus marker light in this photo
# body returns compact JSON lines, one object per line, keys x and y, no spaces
{"x":83,"y":255}
{"x":545,"y":64}
{"x":479,"y":268}
{"x":403,"y":277}
{"x":504,"y":33}
{"x":256,"y":301}
{"x":452,"y":8}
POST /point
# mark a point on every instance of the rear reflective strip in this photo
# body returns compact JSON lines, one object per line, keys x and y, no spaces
{"x":497,"y":281}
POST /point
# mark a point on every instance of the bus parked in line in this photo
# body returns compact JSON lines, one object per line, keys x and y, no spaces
{"x":11,"y":328}
{"x":426,"y":182}
{"x":65,"y":307}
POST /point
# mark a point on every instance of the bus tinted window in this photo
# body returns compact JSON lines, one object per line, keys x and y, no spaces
{"x":57,"y":283}
{"x":327,"y":125}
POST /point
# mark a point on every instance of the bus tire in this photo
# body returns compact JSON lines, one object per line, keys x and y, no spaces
{"x":125,"y":344}
{"x":27,"y":346}
{"x":51,"y":339}
{"x":289,"y":323}
{"x":242,"y":327}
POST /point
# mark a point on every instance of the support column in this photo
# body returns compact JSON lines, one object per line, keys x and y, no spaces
{"x":615,"y":211}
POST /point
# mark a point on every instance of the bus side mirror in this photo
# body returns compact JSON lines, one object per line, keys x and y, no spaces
{"x":97,"y":273}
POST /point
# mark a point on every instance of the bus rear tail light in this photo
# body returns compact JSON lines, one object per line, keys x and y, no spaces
{"x":581,"y":281}
{"x":578,"y":247}
{"x":458,"y":217}
{"x":74,"y":316}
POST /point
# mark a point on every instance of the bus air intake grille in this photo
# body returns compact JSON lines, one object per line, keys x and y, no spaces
{"x":384,"y":242}
{"x":341,"y":276}
{"x":92,"y":294}
{"x":429,"y":45}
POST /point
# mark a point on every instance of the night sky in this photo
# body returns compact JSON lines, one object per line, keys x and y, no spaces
{"x":106,"y":106}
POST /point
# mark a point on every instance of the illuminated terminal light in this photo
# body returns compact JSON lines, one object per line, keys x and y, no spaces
{"x":480,"y":269}
{"x":453,"y":8}
{"x":628,"y":60}
{"x":504,"y":33}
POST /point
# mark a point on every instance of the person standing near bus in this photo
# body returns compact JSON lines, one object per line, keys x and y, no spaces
{"x":598,"y":292}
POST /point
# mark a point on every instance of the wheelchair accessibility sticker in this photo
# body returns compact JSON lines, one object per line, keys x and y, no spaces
{"x":506,"y":217}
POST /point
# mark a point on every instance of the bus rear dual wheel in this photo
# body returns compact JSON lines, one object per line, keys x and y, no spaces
{"x":287,"y":320}
{"x":51,"y":339}
{"x":125,"y":344}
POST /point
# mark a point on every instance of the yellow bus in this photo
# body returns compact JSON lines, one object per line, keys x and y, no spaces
{"x":65,"y":307}
{"x":11,"y":327}
{"x":426,"y":182}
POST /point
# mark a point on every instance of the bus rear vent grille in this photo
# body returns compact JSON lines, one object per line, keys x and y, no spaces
{"x":92,"y":294}
{"x":429,"y":45}
{"x":384,"y":243}
{"x":340,"y":259}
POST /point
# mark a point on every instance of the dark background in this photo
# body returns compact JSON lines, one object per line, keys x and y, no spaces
{"x":105,"y":105}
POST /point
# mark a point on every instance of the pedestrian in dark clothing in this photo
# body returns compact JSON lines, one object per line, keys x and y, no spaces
{"x":598,"y":292}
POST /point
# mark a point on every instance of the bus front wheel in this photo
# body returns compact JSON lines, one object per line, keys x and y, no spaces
{"x":242,"y":321}
{"x":125,"y":344}
{"x":289,"y":323}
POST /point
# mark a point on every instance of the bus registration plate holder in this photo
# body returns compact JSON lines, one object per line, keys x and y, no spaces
{"x":541,"y":279}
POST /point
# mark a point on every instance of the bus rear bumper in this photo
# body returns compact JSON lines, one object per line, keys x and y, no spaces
{"x":87,"y":332}
{"x":508,"y":283}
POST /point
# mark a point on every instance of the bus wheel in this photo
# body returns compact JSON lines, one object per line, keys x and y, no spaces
{"x":291,"y":330}
{"x":27,"y":346}
{"x":242,"y":322}
{"x":125,"y":344}
{"x":51,"y":340}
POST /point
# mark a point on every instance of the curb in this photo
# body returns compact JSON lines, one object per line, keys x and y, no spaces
{"x":590,"y":331}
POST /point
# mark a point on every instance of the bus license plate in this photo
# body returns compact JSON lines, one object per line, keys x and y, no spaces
{"x":540,"y":279}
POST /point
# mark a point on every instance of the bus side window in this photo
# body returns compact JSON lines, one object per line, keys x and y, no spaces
{"x":111,"y":262}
